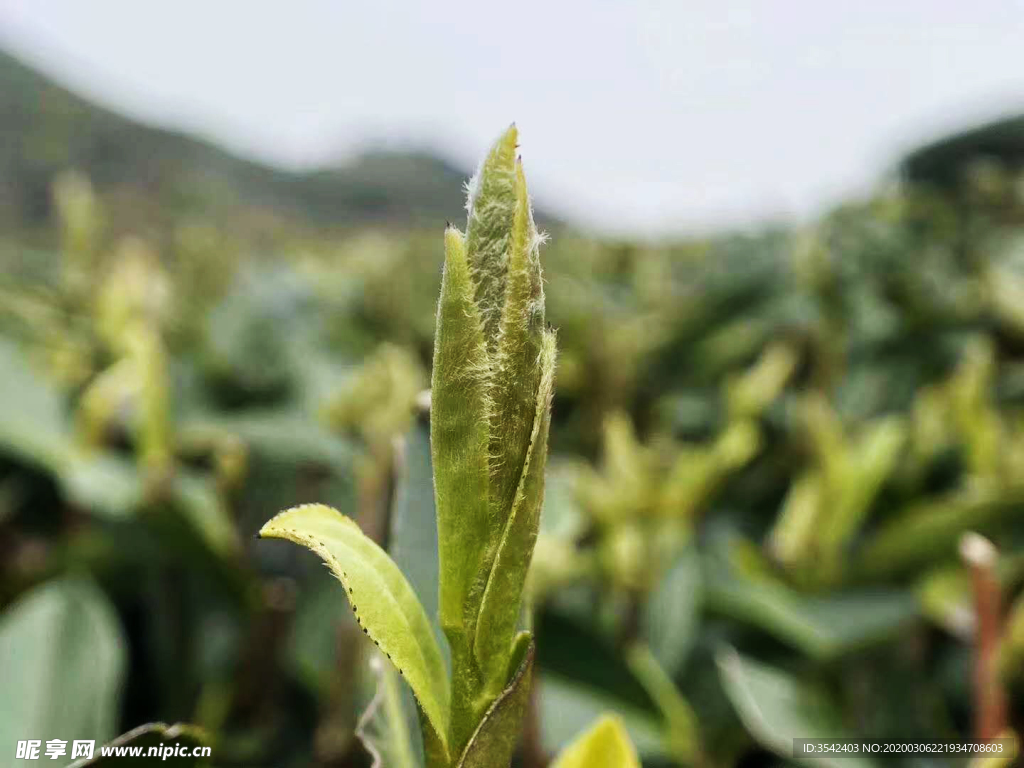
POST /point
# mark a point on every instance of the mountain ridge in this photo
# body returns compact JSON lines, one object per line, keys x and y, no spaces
{"x":159,"y":175}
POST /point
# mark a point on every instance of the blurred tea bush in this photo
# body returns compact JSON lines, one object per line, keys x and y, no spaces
{"x":766,"y":448}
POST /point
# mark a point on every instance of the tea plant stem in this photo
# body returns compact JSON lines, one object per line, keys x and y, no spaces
{"x":989,"y":696}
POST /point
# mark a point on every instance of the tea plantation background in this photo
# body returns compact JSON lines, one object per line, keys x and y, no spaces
{"x":767,"y":447}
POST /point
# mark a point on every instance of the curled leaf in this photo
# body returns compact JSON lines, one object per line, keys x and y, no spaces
{"x":384,"y":604}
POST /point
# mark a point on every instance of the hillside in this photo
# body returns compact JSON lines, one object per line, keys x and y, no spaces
{"x":158,"y":175}
{"x":154,"y":177}
{"x":943,"y":161}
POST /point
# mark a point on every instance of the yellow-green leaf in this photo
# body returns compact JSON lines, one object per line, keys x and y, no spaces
{"x":517,"y":362}
{"x":605,"y":745}
{"x":492,"y":209}
{"x":381,"y":598}
{"x":499,"y":610}
{"x":459,"y":436}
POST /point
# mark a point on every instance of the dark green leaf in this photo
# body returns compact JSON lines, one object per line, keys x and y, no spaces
{"x":62,"y":660}
{"x":670,"y":615}
{"x":776,"y":708}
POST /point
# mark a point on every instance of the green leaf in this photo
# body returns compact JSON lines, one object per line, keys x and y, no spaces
{"x":874,"y":456}
{"x":382,"y":600}
{"x":412,"y":539}
{"x":313,"y":649}
{"x":412,"y":542}
{"x":146,"y":350}
{"x":518,"y":360}
{"x":491,"y":386}
{"x":605,"y":745}
{"x":499,"y":611}
{"x":105,"y":484}
{"x":385,"y":728}
{"x":822,"y":627}
{"x":492,"y":210}
{"x":153,"y":736}
{"x":928,"y":530}
{"x":32,"y":423}
{"x":670,"y":615}
{"x":195,"y":498}
{"x":682,"y":735}
{"x":495,"y":739}
{"x":62,"y":661}
{"x":459,"y":438}
{"x":776,"y":708}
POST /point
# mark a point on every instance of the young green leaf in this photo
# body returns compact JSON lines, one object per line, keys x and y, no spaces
{"x":492,"y":210}
{"x":491,"y":392}
{"x":459,"y":435}
{"x":499,"y":614}
{"x":606,"y":745}
{"x":518,"y":363}
{"x":495,"y":738}
{"x":382,"y":600}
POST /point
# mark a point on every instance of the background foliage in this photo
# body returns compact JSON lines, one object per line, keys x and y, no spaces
{"x":766,"y":447}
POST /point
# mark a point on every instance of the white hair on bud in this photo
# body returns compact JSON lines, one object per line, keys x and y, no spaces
{"x":472,"y":187}
{"x":423,"y":401}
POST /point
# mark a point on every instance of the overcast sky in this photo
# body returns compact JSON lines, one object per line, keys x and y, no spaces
{"x":638,"y":117}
